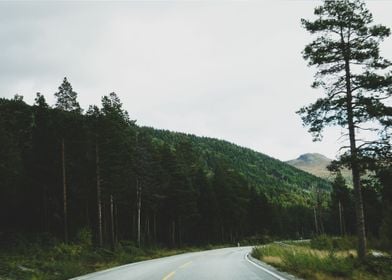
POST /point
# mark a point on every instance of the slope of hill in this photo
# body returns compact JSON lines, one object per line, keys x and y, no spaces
{"x":268,"y":174}
{"x":76,"y":171}
{"x":316,"y":164}
{"x":313,"y":163}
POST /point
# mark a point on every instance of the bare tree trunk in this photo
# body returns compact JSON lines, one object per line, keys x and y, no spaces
{"x":87,"y":214}
{"x":315,"y":220}
{"x":173,"y":233}
{"x":65,"y":210}
{"x":321,"y":223}
{"x":139,"y":207}
{"x":222,"y":234}
{"x":179,"y":232}
{"x":112,"y":222}
{"x":45,"y":220}
{"x":344,"y":222}
{"x":155,"y":227}
{"x":99,"y":201}
{"x":148,"y":228}
{"x":361,"y":233}
{"x":134,"y":227}
{"x":340,"y":219}
{"x":116,"y":223}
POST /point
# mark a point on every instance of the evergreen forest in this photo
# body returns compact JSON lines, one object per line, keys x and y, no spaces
{"x":64,"y":171}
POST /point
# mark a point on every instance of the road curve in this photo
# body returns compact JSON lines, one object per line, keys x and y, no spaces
{"x":227,"y":263}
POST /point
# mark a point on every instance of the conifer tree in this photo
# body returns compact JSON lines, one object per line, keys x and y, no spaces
{"x":355,"y":79}
{"x":66,"y":97}
{"x":340,"y":202}
{"x":66,"y":101}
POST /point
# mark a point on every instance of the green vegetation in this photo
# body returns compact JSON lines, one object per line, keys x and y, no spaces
{"x":87,"y":190}
{"x":267,"y":174}
{"x":324,"y":258}
{"x":63,"y":261}
{"x":64,"y":170}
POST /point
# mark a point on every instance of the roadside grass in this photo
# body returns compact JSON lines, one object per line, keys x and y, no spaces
{"x":64,"y":261}
{"x":324,"y":258}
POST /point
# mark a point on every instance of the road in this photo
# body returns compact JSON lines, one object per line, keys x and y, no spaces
{"x":227,"y":263}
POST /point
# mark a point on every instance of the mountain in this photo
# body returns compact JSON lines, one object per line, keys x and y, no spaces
{"x":313,"y":163}
{"x":316,"y":164}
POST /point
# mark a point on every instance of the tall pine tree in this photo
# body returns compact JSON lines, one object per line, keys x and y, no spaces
{"x":353,"y":75}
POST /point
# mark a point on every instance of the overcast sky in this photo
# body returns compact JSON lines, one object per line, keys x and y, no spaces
{"x":230,"y":70}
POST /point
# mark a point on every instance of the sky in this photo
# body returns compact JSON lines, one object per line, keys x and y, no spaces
{"x":231,"y":70}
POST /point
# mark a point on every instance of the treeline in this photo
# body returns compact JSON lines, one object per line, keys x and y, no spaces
{"x":63,"y":171}
{"x":377,"y":199}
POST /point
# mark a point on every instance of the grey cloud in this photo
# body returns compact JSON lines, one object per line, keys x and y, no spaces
{"x":231,"y":70}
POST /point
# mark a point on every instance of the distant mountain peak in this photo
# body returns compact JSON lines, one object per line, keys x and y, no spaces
{"x":313,"y":157}
{"x":313,"y":163}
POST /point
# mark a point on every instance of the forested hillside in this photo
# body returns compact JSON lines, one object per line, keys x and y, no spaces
{"x":269,"y":175}
{"x":63,"y":171}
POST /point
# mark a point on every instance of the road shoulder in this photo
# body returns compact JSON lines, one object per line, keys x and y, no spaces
{"x":270,"y":269}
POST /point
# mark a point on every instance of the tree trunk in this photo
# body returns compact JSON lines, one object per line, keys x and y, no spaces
{"x":134,"y":227}
{"x":340,"y":219}
{"x":361,"y":233}
{"x":155,"y":227}
{"x":173,"y":233}
{"x":116,"y":223}
{"x":139,"y":207}
{"x":45,"y":216}
{"x":65,"y":210}
{"x":315,"y":221}
{"x":87,"y":214}
{"x":112,"y":222}
{"x":179,"y":232}
{"x":99,"y":201}
{"x":148,"y":228}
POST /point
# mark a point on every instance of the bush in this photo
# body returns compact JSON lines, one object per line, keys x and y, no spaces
{"x":344,"y":243}
{"x":257,"y":253}
{"x":66,"y":251}
{"x":84,"y":237}
{"x":322,"y":242}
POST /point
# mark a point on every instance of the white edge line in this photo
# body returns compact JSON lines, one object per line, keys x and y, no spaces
{"x":263,"y":268}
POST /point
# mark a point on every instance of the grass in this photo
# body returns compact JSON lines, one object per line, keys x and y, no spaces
{"x":64,"y":261}
{"x":324,"y":259}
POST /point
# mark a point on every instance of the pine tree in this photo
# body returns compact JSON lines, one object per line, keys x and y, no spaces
{"x":66,"y":97}
{"x":66,"y":101}
{"x":340,"y":202}
{"x":353,"y":75}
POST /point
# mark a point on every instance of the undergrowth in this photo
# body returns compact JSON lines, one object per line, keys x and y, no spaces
{"x":59,"y":261}
{"x":324,"y":258}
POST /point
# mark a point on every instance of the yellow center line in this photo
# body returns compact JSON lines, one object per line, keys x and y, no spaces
{"x":167,"y":277}
{"x":185,"y":264}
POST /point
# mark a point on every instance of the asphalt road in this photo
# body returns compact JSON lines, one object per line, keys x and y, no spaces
{"x":227,"y":263}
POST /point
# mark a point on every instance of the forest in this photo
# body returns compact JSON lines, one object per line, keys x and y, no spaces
{"x":64,"y":171}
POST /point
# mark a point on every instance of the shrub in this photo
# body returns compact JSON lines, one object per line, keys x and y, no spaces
{"x":84,"y":237}
{"x":344,"y":243}
{"x":322,"y":242}
{"x":66,"y":251}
